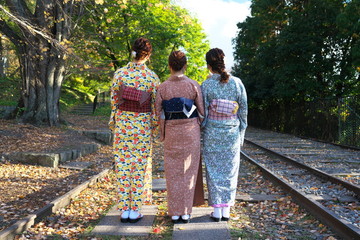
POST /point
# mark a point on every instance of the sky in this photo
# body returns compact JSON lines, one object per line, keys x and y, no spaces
{"x":218,"y":19}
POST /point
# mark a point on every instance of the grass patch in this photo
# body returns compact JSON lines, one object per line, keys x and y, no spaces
{"x":104,"y":110}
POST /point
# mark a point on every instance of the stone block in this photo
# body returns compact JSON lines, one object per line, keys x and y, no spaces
{"x":65,"y":156}
{"x":42,"y":159}
{"x":49,"y":160}
{"x":105,"y":137}
{"x":75,"y":154}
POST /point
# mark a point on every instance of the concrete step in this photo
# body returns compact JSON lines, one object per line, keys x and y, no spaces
{"x":104,"y":136}
{"x":83,"y":109}
{"x":110,"y":225}
{"x":54,"y":159}
{"x":201,"y":227}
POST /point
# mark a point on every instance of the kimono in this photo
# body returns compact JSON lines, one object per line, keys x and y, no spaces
{"x":223,"y":132}
{"x":133,"y":132}
{"x":181,"y":138}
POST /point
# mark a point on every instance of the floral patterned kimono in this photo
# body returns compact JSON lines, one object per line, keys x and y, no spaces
{"x":133,"y":132}
{"x":223,"y":134}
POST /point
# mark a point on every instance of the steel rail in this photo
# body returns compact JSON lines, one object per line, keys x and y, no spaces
{"x":340,"y":226}
{"x":352,"y":187}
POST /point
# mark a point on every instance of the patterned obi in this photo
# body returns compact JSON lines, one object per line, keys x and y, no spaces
{"x":132,"y":100}
{"x":179,"y":108}
{"x":222,"y":109}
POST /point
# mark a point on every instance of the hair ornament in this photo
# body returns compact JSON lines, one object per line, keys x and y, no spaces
{"x":133,"y":54}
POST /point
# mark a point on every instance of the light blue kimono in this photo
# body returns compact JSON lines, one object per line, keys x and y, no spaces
{"x":222,"y":140}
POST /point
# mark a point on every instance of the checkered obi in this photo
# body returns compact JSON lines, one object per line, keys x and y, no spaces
{"x":179,"y":108}
{"x":222,"y":109}
{"x":132,"y":100}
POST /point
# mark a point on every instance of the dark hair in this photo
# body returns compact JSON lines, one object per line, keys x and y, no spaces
{"x":215,"y":58}
{"x":142,"y":47}
{"x":177,"y":60}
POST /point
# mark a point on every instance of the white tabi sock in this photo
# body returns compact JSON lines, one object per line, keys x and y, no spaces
{"x":185,"y":217}
{"x":125,"y":214}
{"x":217,"y":212}
{"x":226,"y":212}
{"x":134,"y":214}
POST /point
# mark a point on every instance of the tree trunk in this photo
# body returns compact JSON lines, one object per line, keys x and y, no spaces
{"x":42,"y":72}
{"x":2,"y":60}
{"x":42,"y":45}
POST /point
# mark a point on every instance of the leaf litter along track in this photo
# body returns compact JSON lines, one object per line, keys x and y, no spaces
{"x":27,"y":188}
{"x":280,"y":219}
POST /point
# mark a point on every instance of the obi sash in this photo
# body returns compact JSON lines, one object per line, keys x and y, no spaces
{"x":179,"y":108}
{"x":222,"y":109}
{"x":132,"y":100}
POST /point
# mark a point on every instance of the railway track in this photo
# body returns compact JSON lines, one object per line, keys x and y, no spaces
{"x":312,"y":183}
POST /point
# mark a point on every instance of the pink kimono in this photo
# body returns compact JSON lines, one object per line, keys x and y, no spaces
{"x":181,"y":138}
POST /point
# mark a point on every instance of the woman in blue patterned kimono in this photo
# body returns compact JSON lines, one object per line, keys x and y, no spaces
{"x":223,"y":133}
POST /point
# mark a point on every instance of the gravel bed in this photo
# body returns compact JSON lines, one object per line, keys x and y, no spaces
{"x":251,"y":181}
{"x":307,"y":183}
{"x":329,"y":158}
{"x":271,"y":220}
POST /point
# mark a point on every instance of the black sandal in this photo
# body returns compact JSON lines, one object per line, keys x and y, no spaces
{"x":214,"y":218}
{"x":124,"y":220}
{"x":177,"y":220}
{"x":186,"y":220}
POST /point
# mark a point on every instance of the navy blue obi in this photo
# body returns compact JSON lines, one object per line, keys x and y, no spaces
{"x":179,"y":108}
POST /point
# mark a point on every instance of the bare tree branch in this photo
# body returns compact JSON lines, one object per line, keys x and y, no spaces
{"x":33,"y":30}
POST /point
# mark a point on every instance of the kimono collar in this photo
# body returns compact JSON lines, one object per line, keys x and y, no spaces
{"x":215,"y":76}
{"x":141,"y":66}
{"x":177,"y":78}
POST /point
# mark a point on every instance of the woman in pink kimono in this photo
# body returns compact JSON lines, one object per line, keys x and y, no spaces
{"x":179,"y":104}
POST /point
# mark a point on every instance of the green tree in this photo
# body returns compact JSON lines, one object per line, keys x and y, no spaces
{"x":94,"y":39}
{"x":108,"y":31}
{"x":299,"y":50}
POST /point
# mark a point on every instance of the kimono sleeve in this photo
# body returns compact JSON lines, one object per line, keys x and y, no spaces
{"x":154,"y":116}
{"x":204,"y":90}
{"x":243,"y":111}
{"x":199,"y":102}
{"x":114,"y":87}
{"x":159,"y":110}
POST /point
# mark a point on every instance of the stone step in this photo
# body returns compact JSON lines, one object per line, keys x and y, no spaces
{"x":53,"y":159}
{"x":110,"y":225}
{"x":201,"y":227}
{"x":104,"y":136}
{"x":83,"y":109}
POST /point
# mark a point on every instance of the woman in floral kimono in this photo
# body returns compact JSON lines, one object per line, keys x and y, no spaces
{"x":133,"y":121}
{"x":179,"y":104}
{"x":223,"y":133}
